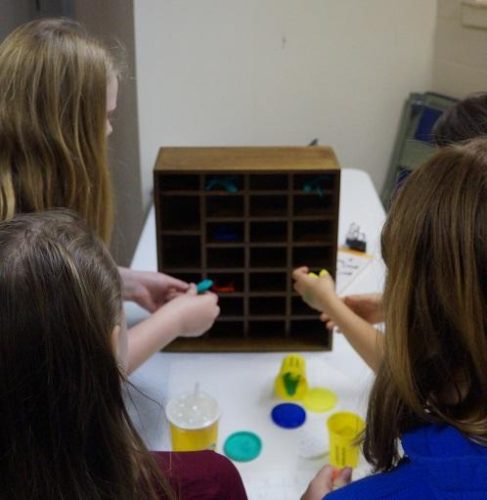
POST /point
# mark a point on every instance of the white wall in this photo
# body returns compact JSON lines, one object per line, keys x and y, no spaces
{"x":460,"y":61}
{"x":280,"y":72}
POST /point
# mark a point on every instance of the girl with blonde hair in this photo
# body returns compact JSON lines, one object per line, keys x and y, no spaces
{"x":431,"y":387}
{"x":59,"y":88}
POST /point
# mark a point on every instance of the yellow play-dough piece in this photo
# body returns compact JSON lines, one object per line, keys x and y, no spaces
{"x":323,"y":272}
{"x":319,"y":400}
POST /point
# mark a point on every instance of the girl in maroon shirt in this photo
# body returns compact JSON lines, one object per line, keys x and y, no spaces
{"x":64,"y":429}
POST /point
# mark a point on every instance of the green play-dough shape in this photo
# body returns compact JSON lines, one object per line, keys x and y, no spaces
{"x":319,"y":400}
{"x":242,"y":446}
{"x":291,"y":383}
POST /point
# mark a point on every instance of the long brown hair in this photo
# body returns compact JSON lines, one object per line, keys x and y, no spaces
{"x":64,"y":429}
{"x":434,"y":244}
{"x":53,"y":81}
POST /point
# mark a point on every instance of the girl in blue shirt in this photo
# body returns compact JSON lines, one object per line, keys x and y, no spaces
{"x":431,"y":388}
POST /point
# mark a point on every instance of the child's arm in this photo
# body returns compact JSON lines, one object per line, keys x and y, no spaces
{"x":188,"y":315}
{"x":319,"y":294}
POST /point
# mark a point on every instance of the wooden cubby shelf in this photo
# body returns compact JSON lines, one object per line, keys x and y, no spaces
{"x":245,"y":217}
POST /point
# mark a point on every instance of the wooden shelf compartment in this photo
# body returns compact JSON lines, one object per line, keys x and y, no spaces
{"x":232,"y":329}
{"x":269,"y":182}
{"x":319,"y":181}
{"x":224,"y":206}
{"x":265,"y":329}
{"x":178,"y":212}
{"x":223,"y":182}
{"x":225,"y":257}
{"x":168,"y":183}
{"x":267,"y":306}
{"x":312,"y":204}
{"x":231,"y":306}
{"x":313,"y":231}
{"x":224,"y":232}
{"x":268,"y":281}
{"x":227,"y":281}
{"x":312,"y":331}
{"x":300,"y":308}
{"x":181,"y":251}
{"x":268,"y":257}
{"x":320,"y":256}
{"x":268,"y":231}
{"x":268,"y":205}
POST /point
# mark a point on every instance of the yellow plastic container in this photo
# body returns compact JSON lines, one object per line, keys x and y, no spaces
{"x":193,"y":421}
{"x":344,"y":429}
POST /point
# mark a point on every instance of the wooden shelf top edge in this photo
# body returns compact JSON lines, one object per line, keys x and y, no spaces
{"x":253,"y":158}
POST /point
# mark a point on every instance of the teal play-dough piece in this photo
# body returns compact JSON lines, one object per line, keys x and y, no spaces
{"x":242,"y":446}
{"x":204,"y":285}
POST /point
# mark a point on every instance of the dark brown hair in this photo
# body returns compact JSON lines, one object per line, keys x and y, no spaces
{"x":64,"y":429}
{"x":434,"y":244}
{"x":465,"y":120}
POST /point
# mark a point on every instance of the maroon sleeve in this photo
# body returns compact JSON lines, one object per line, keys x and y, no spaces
{"x":201,"y":475}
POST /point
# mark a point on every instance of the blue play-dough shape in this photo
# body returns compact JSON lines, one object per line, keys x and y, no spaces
{"x":242,"y":446}
{"x":288,"y":415}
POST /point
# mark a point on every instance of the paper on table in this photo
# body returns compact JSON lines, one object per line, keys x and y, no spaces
{"x":350,"y":264}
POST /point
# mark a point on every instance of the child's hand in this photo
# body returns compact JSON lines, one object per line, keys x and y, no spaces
{"x":368,"y":306}
{"x":326,"y":480}
{"x":191,"y":313}
{"x":149,"y":289}
{"x":315,"y":291}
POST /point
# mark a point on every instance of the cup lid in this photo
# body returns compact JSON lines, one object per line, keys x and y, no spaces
{"x":288,"y":415}
{"x":319,"y":400}
{"x":193,"y":410}
{"x":242,"y":446}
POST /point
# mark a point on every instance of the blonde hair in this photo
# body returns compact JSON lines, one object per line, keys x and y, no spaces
{"x":53,"y":150}
{"x":434,"y":244}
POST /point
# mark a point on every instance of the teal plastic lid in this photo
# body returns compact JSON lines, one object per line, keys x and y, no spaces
{"x":242,"y":446}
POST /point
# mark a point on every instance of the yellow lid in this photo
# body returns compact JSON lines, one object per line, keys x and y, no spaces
{"x":319,"y":399}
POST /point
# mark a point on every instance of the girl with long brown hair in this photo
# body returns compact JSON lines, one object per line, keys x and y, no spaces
{"x":58,"y":88}
{"x":64,"y":430}
{"x":431,"y":387}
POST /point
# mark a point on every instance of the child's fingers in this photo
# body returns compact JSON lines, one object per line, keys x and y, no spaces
{"x":321,"y":484}
{"x":343,"y":477}
{"x":211,"y":297}
{"x":300,"y":271}
{"x":329,"y":323}
{"x":192,"y":290}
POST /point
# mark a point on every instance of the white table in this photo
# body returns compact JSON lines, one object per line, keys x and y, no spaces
{"x":242,"y":383}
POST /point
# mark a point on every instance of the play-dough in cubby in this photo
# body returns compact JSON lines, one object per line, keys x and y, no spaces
{"x":245,"y":217}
